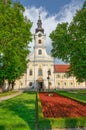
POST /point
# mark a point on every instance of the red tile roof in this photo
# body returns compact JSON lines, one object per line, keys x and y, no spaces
{"x":61,"y":68}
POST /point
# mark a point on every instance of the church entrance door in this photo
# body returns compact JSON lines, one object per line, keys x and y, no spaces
{"x":40,"y":86}
{"x":40,"y":83}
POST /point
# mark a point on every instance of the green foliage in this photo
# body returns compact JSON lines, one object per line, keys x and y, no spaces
{"x":60,"y":39}
{"x":69,"y":44}
{"x":15,"y":36}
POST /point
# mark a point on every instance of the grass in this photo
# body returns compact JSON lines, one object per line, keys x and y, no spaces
{"x":18,"y":113}
{"x":7,"y":93}
{"x":78,"y":95}
{"x":48,"y":123}
{"x":83,"y":91}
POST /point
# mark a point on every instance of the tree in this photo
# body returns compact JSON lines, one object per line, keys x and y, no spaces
{"x":15,"y":36}
{"x":69,"y":44}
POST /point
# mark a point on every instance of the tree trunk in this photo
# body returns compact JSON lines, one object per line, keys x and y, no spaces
{"x":1,"y":89}
{"x":1,"y":86}
{"x":13,"y":83}
{"x":9,"y":83}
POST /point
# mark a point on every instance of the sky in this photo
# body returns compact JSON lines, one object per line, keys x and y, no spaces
{"x":52,"y":12}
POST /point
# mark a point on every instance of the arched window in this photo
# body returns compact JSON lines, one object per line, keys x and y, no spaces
{"x":30,"y":84}
{"x":58,"y":84}
{"x":40,"y":72}
{"x":65,"y":84}
{"x":30,"y":72}
{"x":71,"y":83}
{"x":39,"y":41}
{"x":49,"y":72}
{"x":40,"y":52}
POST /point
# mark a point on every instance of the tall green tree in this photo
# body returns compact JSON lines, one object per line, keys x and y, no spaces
{"x":69,"y":44}
{"x":15,"y":36}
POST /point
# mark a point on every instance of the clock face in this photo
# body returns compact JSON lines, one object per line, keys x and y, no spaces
{"x":39,"y":35}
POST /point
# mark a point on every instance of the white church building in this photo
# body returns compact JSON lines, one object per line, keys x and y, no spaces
{"x":42,"y":72}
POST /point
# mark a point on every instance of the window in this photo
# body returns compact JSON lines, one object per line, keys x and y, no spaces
{"x":39,"y":42}
{"x":65,"y":84}
{"x":78,"y":83}
{"x":50,"y":83}
{"x":30,"y":84}
{"x":49,"y":72}
{"x":39,"y":52}
{"x":65,"y":76}
{"x":40,"y":72}
{"x":58,"y":76}
{"x":71,"y":83}
{"x":39,"y":35}
{"x":30,"y":73}
{"x":58,"y":84}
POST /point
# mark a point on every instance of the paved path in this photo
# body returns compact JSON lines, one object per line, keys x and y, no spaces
{"x":10,"y":96}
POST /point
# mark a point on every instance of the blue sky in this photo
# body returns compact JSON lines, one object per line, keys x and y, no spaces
{"x":52,"y":6}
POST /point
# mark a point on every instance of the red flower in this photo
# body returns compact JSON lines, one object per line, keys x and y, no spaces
{"x":59,"y":106}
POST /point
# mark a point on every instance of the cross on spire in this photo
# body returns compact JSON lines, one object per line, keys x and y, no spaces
{"x":39,"y":15}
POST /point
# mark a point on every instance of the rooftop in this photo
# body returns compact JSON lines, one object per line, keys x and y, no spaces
{"x":61,"y":68}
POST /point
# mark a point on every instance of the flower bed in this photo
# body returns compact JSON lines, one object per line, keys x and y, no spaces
{"x":59,"y":106}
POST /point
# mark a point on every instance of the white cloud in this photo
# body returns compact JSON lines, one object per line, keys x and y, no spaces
{"x":49,"y":23}
{"x":68,"y":11}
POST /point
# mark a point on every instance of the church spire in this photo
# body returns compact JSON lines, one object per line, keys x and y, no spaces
{"x":39,"y":25}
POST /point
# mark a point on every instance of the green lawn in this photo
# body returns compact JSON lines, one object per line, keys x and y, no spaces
{"x":18,"y":113}
{"x":79,"y":95}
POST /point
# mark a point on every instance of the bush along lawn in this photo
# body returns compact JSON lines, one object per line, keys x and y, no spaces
{"x":18,"y":113}
{"x":58,"y":118}
{"x":79,"y":95}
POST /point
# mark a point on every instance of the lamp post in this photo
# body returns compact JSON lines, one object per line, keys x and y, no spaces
{"x":48,"y":78}
{"x":1,"y":65}
{"x":1,"y":59}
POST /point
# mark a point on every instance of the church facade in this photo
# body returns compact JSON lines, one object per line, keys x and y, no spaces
{"x":41,"y":72}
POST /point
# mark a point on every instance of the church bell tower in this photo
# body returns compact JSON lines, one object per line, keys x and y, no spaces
{"x":39,"y":39}
{"x":40,"y":62}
